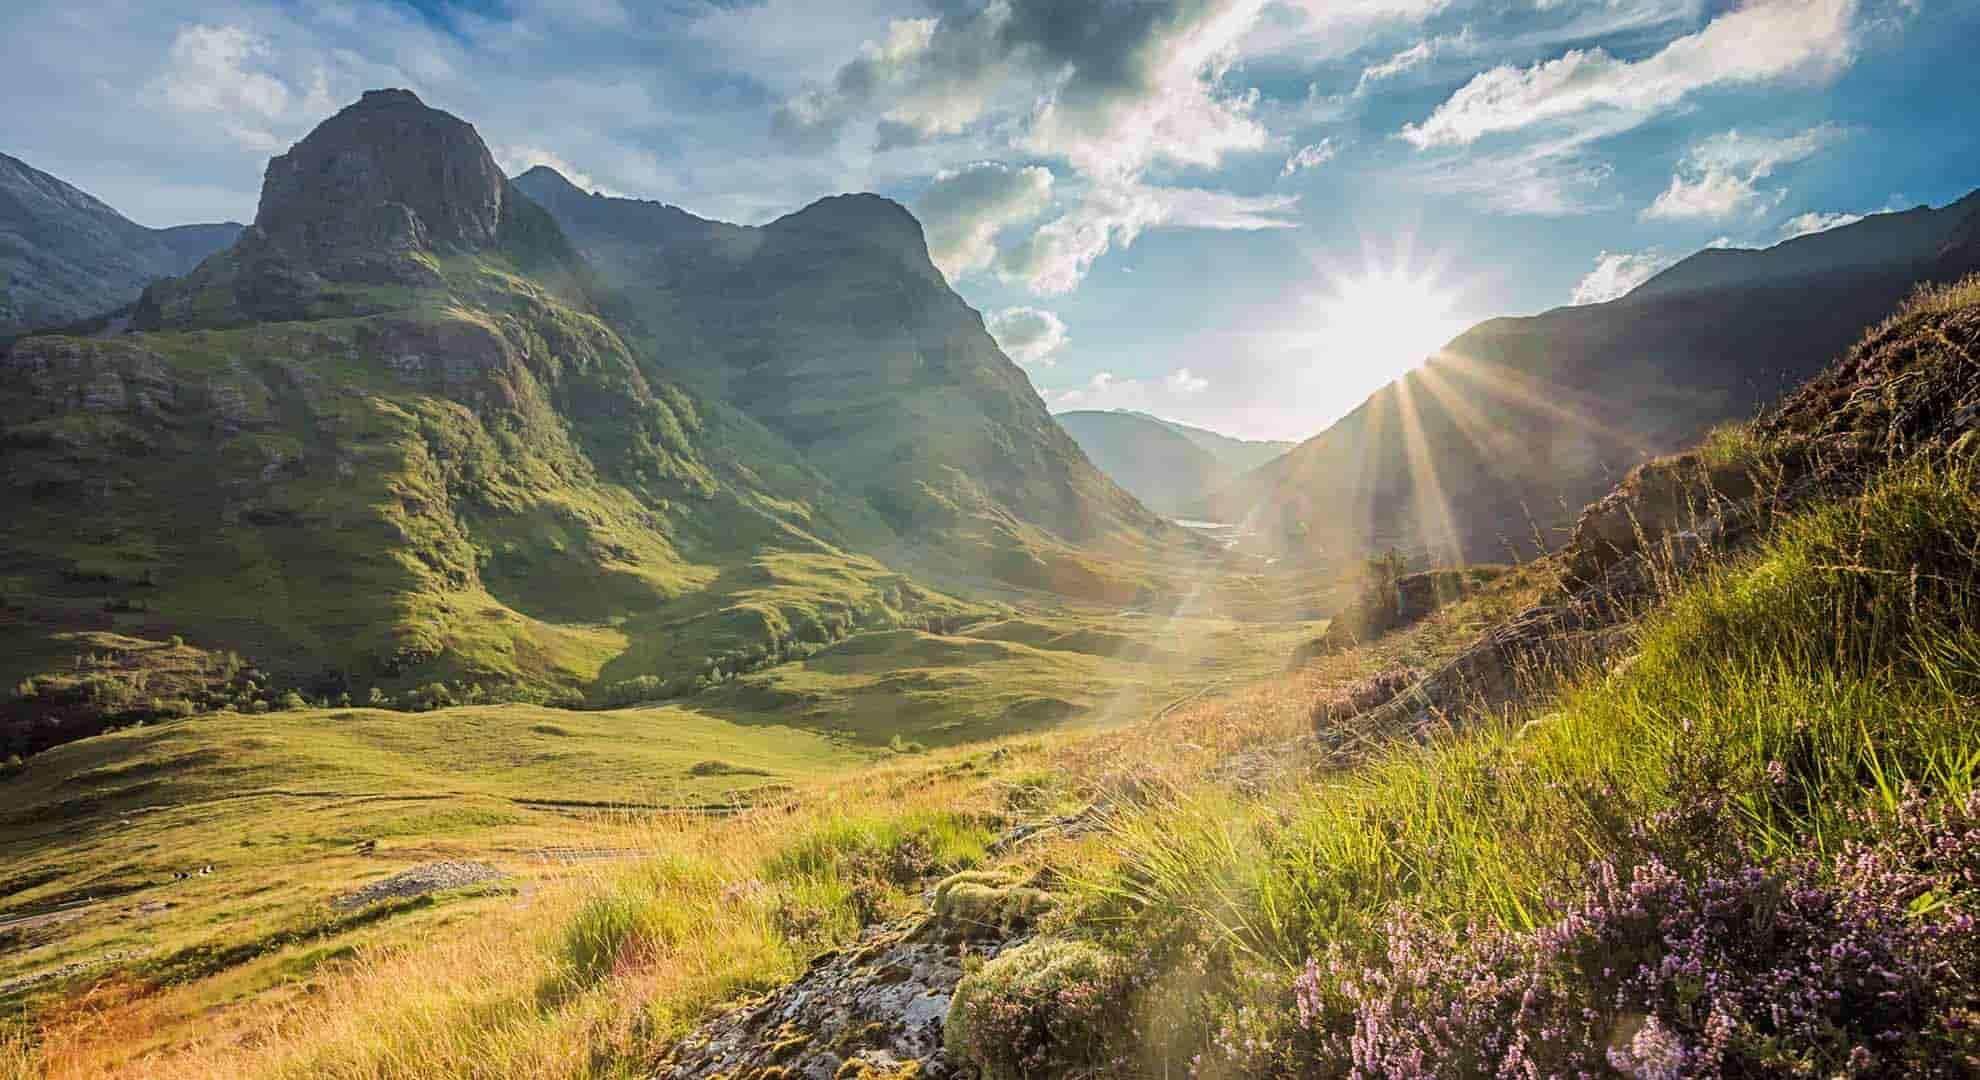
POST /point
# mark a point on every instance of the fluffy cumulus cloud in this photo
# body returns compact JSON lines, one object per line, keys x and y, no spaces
{"x":1617,"y":272}
{"x":1759,"y":41}
{"x":1029,"y":335}
{"x":966,"y":208}
{"x":1720,"y":177}
{"x":1310,"y":157}
{"x":1814,"y":222}
{"x":1109,"y":89}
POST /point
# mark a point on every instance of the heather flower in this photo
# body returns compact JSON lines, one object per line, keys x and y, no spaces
{"x":1736,"y":967}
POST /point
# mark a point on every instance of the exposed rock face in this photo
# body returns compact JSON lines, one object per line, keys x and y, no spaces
{"x":66,"y":256}
{"x":874,"y":1010}
{"x":366,"y":199}
{"x":386,"y":173}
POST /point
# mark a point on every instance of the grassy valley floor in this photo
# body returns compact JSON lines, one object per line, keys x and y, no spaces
{"x":191,"y":871}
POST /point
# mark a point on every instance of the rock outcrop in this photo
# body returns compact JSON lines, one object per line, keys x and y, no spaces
{"x":876,"y":1009}
{"x":366,"y":202}
{"x":387,"y":172}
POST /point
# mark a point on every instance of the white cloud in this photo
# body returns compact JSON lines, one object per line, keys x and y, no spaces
{"x":1181,"y":381}
{"x":1761,"y":41}
{"x":1617,"y":272}
{"x":1552,"y":178}
{"x":1720,"y":177}
{"x":1105,"y":390}
{"x":516,"y":160}
{"x":1028,"y":335}
{"x":1055,"y":258}
{"x":1309,"y":157}
{"x":964,"y":209}
{"x":1111,"y":90}
{"x":1413,"y":57}
{"x":225,"y":74}
{"x":1814,"y":222}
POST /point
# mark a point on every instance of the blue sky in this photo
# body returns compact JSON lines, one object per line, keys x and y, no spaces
{"x":1241,"y":213}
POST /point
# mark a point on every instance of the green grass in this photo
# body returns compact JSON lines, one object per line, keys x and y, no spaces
{"x":1820,"y":678}
{"x":279,"y":803}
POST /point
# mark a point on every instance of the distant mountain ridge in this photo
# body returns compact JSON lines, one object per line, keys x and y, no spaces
{"x":1169,"y":466}
{"x":1232,"y":451}
{"x":1492,"y":444}
{"x":66,"y":256}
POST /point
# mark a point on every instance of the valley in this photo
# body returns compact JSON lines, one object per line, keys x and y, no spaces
{"x":475,"y":622}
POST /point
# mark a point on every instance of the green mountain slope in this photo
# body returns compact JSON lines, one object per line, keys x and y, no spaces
{"x":387,"y":439}
{"x":1164,"y":468}
{"x":1520,"y":420}
{"x":66,"y":256}
{"x":832,"y":328}
{"x":1236,"y":454}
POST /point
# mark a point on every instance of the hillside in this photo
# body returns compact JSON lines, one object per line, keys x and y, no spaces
{"x":1520,"y":420}
{"x":1619,"y":809}
{"x":386,"y":441}
{"x":1170,"y":467}
{"x":1234,"y":453}
{"x":832,"y":328}
{"x":1162,"y":467}
{"x":65,"y":256}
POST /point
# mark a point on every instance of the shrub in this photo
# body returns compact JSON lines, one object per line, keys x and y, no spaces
{"x":291,"y":701}
{"x":433,"y":695}
{"x":176,"y":642}
{"x":1043,"y":1009}
{"x":1748,"y":970}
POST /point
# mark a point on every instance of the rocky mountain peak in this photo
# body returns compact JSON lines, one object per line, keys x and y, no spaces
{"x":387,"y":173}
{"x":874,"y":219}
{"x":548,"y":179}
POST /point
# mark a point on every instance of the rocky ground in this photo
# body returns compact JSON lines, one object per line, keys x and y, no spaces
{"x":418,"y":881}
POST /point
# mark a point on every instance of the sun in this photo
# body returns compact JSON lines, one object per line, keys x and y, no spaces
{"x":1384,"y":321}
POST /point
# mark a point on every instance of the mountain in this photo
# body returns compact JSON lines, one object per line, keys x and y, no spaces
{"x":833,"y":329}
{"x":1168,"y":466}
{"x":65,"y":256}
{"x":388,"y":439}
{"x":1499,"y":437}
{"x":1236,"y":454}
